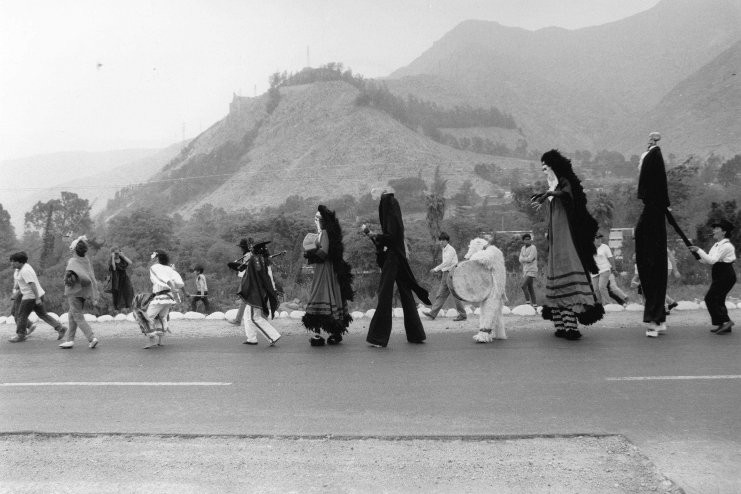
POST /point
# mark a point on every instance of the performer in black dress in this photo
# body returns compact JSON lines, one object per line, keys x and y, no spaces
{"x":650,"y":236}
{"x":392,"y":259}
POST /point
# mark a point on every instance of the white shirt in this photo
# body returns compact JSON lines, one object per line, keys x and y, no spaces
{"x":602,"y":258}
{"x":722,"y":251}
{"x":23,"y":277}
{"x":450,"y":259}
{"x":164,"y":278}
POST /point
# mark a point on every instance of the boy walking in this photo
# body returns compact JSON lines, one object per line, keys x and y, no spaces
{"x":450,"y":259}
{"x":26,"y":287}
{"x":201,"y":290}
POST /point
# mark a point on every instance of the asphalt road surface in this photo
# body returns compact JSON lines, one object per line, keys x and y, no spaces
{"x":676,"y":397}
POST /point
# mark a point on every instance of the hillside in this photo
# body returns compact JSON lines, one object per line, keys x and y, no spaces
{"x":316,"y":143}
{"x":26,"y":181}
{"x":574,"y":88}
{"x":702,"y":114}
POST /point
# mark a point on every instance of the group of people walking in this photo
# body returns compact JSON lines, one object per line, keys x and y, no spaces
{"x":579,"y":272}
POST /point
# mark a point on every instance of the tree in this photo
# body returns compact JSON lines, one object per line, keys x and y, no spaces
{"x":466,"y":195}
{"x":68,"y":215}
{"x":435,"y":202}
{"x":57,"y":218}
{"x":729,"y":171}
{"x":7,"y":232}
{"x":726,"y":210}
{"x":602,"y":209}
{"x":143,"y":230}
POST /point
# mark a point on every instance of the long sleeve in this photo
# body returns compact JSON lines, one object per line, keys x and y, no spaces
{"x":450,"y":259}
{"x":528,"y":254}
{"x":723,"y":251}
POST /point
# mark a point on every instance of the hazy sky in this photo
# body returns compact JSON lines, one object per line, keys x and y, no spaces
{"x":100,"y":75}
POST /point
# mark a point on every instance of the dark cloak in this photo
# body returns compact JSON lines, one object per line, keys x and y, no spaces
{"x":256,"y":288}
{"x":392,"y":237}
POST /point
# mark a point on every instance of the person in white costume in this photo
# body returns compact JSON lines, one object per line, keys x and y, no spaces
{"x":491,"y":323}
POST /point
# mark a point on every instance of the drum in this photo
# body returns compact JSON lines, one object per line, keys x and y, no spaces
{"x":309,"y":242}
{"x":470,"y":281}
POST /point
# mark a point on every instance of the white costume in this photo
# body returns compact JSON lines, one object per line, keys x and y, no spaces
{"x":491,"y":324}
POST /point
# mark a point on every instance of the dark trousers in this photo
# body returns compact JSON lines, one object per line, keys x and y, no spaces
{"x":194,"y":302}
{"x":617,"y":298}
{"x":723,"y":279}
{"x":443,"y":292}
{"x":528,"y":290}
{"x":24,"y":310}
{"x":379,"y":330}
{"x":651,"y":260}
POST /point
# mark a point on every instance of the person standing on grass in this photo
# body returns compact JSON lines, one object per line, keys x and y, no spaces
{"x":27,"y":289}
{"x":721,"y":256}
{"x":529,"y":261}
{"x":450,"y":259}
{"x":79,"y":286}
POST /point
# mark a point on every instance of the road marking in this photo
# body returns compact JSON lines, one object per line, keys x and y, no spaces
{"x":671,"y":378}
{"x":118,"y":383}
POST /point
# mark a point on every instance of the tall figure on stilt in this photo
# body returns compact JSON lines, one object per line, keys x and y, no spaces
{"x":392,"y":259}
{"x":650,"y":236}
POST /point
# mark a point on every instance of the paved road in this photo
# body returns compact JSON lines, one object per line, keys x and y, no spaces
{"x":530,"y":384}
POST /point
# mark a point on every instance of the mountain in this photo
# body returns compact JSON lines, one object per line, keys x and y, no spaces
{"x":26,"y":181}
{"x":316,"y":142}
{"x":701,"y":114}
{"x":575,"y":88}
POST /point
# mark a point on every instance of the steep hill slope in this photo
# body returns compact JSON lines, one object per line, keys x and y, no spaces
{"x":576,"y":87}
{"x":701,"y":115}
{"x":316,"y":143}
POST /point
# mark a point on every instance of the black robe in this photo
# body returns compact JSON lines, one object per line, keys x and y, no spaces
{"x":650,"y":235}
{"x":395,"y":270}
{"x":256,"y":288}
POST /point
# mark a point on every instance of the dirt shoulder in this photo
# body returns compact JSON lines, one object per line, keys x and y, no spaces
{"x":177,"y":464}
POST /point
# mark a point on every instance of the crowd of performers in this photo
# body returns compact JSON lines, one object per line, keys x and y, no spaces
{"x":578,"y":273}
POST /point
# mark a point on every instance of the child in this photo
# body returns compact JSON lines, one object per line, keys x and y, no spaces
{"x":201,"y":290}
{"x":28,"y":291}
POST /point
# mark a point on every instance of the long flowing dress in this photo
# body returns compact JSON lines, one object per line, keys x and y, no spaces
{"x":568,"y":284}
{"x":326,"y":309}
{"x":650,"y":235}
{"x":122,"y":290}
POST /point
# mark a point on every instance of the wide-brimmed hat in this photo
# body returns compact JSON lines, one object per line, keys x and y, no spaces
{"x":259,"y":245}
{"x":723,"y":224}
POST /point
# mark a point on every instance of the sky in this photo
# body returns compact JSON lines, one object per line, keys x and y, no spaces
{"x":97,"y":75}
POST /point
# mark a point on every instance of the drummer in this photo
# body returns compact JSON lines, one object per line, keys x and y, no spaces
{"x":491,"y":324}
{"x":450,"y":259}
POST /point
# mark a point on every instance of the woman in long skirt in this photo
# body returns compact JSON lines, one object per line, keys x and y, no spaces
{"x":569,"y":295}
{"x":332,"y":285}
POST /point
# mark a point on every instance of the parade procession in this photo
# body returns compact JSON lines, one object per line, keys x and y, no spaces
{"x":355,"y":246}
